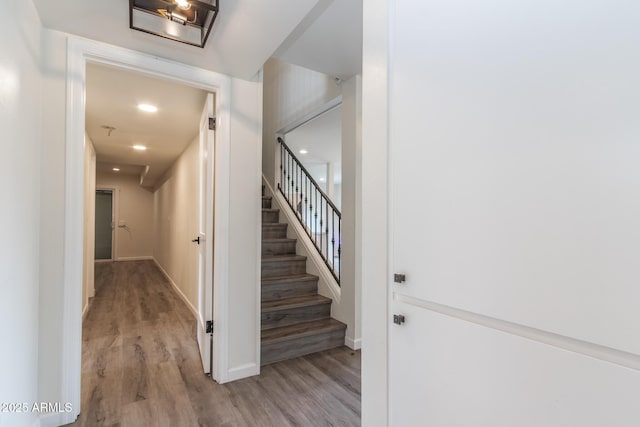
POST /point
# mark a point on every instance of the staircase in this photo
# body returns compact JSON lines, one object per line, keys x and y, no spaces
{"x":295,"y":320}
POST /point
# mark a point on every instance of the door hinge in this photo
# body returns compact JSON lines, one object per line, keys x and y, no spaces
{"x":399,"y":278}
{"x":209,"y":326}
{"x":212,"y":123}
{"x":398,"y":319}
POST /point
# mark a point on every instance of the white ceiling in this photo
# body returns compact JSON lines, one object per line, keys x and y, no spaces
{"x":328,"y":40}
{"x":322,"y":35}
{"x":245,"y":34}
{"x":112,"y":99}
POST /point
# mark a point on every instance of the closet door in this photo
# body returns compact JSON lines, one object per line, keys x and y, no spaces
{"x":514,"y":212}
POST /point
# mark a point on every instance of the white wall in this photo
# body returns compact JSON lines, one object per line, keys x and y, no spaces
{"x":88,"y":288}
{"x":52,"y":215}
{"x":350,"y":280}
{"x":20,"y":125}
{"x":513,"y":212}
{"x":175,"y":221}
{"x":290,"y":93}
{"x":375,"y":274}
{"x":134,"y":215}
{"x":245,"y":226}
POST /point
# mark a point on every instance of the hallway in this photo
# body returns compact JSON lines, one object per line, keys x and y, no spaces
{"x":141,"y":367}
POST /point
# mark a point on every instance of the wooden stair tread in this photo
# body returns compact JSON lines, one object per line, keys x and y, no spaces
{"x":289,"y":278}
{"x":274,"y":226}
{"x":288,"y":257}
{"x":278,"y":245}
{"x":294,"y":302}
{"x":270,"y":210}
{"x":300,"y":330}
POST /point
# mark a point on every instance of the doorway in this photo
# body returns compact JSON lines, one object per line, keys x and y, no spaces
{"x":104,"y":225}
{"x":154,"y":144}
{"x":81,"y":52}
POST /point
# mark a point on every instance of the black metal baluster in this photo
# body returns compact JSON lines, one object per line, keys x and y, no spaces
{"x":339,"y":249}
{"x":289,"y":177}
{"x":280,"y":182}
{"x":310,"y":212}
{"x":322,"y":210}
{"x":306,"y":201}
{"x":326,"y":205}
{"x":285,"y":182}
{"x":321,"y":231}
{"x":333,"y":239}
{"x":315,"y":219}
{"x":287,"y":162}
{"x":293,"y":176}
{"x":287,"y":172}
{"x":282,"y":169}
{"x":299,"y":204}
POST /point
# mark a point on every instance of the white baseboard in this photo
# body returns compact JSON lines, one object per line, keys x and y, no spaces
{"x":177,"y":289}
{"x":243,"y":371}
{"x":85,"y":310}
{"x":134,"y":258}
{"x":54,"y":419}
{"x":353,"y":344}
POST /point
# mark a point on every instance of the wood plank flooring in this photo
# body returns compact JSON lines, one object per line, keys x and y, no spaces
{"x":141,"y":367}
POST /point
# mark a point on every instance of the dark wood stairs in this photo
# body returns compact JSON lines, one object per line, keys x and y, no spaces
{"x":295,"y":320}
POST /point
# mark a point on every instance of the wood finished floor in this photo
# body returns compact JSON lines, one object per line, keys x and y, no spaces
{"x":141,"y":367}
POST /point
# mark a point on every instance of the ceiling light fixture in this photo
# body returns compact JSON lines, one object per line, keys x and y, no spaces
{"x":303,"y":151}
{"x":182,"y":20}
{"x":191,"y":26}
{"x":183,"y":4}
{"x":139,"y":147}
{"x":116,"y":169}
{"x":148,"y":108}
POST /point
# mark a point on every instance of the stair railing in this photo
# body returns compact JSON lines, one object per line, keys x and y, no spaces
{"x":315,"y":211}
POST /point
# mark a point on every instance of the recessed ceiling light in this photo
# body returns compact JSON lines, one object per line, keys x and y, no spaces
{"x":148,"y":108}
{"x":139,"y":147}
{"x":321,"y":179}
{"x":303,"y":151}
{"x":116,"y":169}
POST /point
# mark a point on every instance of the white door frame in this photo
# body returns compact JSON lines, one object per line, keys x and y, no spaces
{"x":79,"y":52}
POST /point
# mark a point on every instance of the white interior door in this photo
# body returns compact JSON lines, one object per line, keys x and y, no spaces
{"x":205,"y":236}
{"x":514,"y":214}
{"x":104,"y":224}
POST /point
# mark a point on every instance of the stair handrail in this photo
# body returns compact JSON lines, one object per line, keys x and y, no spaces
{"x":290,"y":163}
